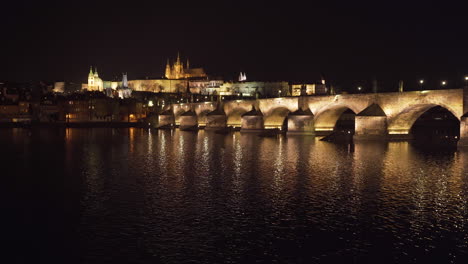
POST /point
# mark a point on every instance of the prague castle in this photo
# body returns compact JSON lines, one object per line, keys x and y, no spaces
{"x":180,"y":78}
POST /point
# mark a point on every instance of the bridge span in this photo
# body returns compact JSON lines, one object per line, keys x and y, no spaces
{"x":379,"y":116}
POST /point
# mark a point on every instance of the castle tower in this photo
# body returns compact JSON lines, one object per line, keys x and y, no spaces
{"x":124,"y":80}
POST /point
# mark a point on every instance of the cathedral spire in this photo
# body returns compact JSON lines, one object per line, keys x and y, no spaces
{"x":168,"y":70}
{"x":95,"y":72}
{"x":91,"y":71}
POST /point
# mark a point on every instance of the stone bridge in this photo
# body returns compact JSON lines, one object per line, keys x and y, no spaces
{"x":378,"y":115}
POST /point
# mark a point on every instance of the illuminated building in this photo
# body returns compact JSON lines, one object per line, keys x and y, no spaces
{"x":178,"y":70}
{"x":252,"y":89}
{"x":309,"y":89}
{"x":94,"y":82}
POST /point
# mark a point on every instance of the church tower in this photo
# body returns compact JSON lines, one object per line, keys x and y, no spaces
{"x":242,"y":77}
{"x":178,"y":68}
{"x":90,"y":79}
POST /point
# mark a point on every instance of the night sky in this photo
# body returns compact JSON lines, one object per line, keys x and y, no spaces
{"x":349,"y":43}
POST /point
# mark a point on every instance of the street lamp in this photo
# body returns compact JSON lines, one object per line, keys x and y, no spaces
{"x":466,"y":80}
{"x":443,"y":83}
{"x":359,"y":88}
{"x":279,"y":93}
{"x":421,"y":82}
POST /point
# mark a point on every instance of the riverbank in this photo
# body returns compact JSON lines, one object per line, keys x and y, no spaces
{"x":74,"y":124}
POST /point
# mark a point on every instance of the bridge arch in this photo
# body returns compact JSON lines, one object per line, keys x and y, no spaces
{"x":401,"y":123}
{"x":235,"y":109}
{"x":276,"y":117}
{"x":234,"y":116}
{"x":326,"y":118}
{"x":202,"y":109}
{"x":178,"y":110}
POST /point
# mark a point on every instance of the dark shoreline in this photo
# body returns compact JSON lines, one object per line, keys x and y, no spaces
{"x":74,"y":124}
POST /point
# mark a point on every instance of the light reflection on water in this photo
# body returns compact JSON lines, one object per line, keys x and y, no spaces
{"x":142,"y":196}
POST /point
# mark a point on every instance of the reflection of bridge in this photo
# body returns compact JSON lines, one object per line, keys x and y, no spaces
{"x":379,"y":115}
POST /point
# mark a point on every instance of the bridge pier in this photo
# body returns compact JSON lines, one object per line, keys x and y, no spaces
{"x":463,"y":142}
{"x":370,"y":124}
{"x":252,"y":121}
{"x":370,"y":128}
{"x":163,"y":120}
{"x":188,"y":121}
{"x":216,"y":120}
{"x":301,"y":123}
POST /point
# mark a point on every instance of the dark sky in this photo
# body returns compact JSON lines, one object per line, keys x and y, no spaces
{"x":349,"y":43}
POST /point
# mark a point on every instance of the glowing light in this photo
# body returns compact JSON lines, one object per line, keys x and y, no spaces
{"x":466,"y":78}
{"x":323,"y":129}
{"x":421,"y":81}
{"x":150,"y":103}
{"x":444,"y":82}
{"x":359,"y":88}
{"x":398,"y":132}
{"x":423,"y":92}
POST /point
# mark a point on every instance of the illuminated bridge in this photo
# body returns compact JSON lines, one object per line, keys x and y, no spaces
{"x":378,"y":116}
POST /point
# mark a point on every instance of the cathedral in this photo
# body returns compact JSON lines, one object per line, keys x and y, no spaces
{"x":178,"y":70}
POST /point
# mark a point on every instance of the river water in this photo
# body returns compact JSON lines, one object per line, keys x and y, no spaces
{"x":147,"y":196}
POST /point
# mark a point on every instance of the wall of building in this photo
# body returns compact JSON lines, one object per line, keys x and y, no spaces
{"x":269,"y":89}
{"x":158,"y":85}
